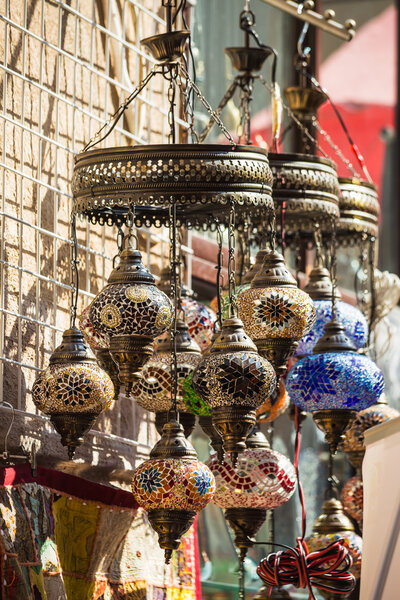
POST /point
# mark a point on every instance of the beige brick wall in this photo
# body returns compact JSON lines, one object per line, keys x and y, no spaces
{"x":61,"y":76}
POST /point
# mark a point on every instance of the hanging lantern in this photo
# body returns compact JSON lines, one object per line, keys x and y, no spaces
{"x":353,"y":498}
{"x":199,"y":318}
{"x":276,"y":314}
{"x":73,"y":390}
{"x":233,"y":380}
{"x":359,"y":210}
{"x":308,"y":188}
{"x":333,"y":525}
{"x":132,"y":312}
{"x":172,"y":486}
{"x":100,"y":346}
{"x":262,"y":479}
{"x":353,"y":443}
{"x":319,"y":288}
{"x":334,"y":383}
{"x":154,"y":390}
{"x":274,"y":406}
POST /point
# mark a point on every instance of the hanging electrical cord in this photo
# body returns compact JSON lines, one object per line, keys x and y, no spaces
{"x":175,"y":295}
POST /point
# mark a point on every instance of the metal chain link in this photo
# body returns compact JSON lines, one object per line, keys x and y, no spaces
{"x":244,"y":110}
{"x":335,"y":147}
{"x":191,"y":84}
{"x":292,"y":116}
{"x":113,"y":120}
{"x":227,"y":96}
{"x":319,"y":259}
{"x":174,"y":262}
{"x":232,"y":261}
{"x":74,"y":271}
{"x":333,"y":270}
{"x":173,"y":71}
{"x":187,"y":108}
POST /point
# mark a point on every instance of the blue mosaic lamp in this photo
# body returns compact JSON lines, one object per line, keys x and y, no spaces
{"x":334,"y":383}
{"x":319,"y":287}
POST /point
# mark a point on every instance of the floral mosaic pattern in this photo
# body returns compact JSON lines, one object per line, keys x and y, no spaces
{"x":236,"y":377}
{"x":73,"y":387}
{"x":122,"y":309}
{"x":274,"y":406}
{"x":263,"y":478}
{"x":276,"y":312}
{"x":355,"y":324}
{"x":334,"y":380}
{"x":173,"y":483}
{"x":352,"y":542}
{"x":153,"y":390}
{"x":96,"y":340}
{"x":369,"y":417}
{"x":353,"y":498}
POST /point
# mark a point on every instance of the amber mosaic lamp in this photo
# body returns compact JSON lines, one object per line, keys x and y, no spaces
{"x":73,"y":390}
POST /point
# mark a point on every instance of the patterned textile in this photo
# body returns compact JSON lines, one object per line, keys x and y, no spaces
{"x":65,"y":538}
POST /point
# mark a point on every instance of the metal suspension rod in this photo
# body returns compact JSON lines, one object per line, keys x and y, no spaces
{"x":345,"y":32}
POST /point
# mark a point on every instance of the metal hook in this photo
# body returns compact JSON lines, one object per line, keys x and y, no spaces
{"x":303,"y":53}
{"x":4,"y":403}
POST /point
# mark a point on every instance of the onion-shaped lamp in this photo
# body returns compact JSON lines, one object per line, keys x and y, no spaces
{"x":73,"y":390}
{"x":153,"y":391}
{"x":353,"y":498}
{"x":353,"y":443}
{"x":274,"y":406}
{"x":276,"y":314}
{"x":262,"y":479}
{"x":233,"y":380}
{"x":172,"y":486}
{"x":334,"y":383}
{"x":319,"y":288}
{"x":100,"y":346}
{"x":331,"y":526}
{"x":132,"y":311}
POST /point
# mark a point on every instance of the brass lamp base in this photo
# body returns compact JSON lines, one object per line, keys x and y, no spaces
{"x":169,"y":46}
{"x":245,"y":523}
{"x":278,"y":351}
{"x":207,"y":426}
{"x":130,"y":353}
{"x":234,"y":424}
{"x":187,"y":420}
{"x":334,"y":423}
{"x":248,"y":60}
{"x":275,"y":594}
{"x":72,"y":427}
{"x":106,"y":362}
{"x":170,"y":526}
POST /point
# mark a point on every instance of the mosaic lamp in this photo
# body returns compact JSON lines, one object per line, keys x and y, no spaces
{"x":154,"y":390}
{"x":353,"y":443}
{"x":334,"y":383}
{"x":73,"y":390}
{"x":333,"y":525}
{"x":172,"y":486}
{"x":131,"y":311}
{"x":100,"y":346}
{"x":353,"y":498}
{"x":319,"y":288}
{"x":200,"y":318}
{"x":233,"y":380}
{"x":262,"y":479}
{"x":276,"y":314}
{"x":275,"y":405}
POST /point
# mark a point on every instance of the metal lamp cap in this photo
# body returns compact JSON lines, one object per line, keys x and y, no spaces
{"x":173,"y":443}
{"x":334,"y":339}
{"x":319,"y":285}
{"x":131,"y":269}
{"x":332,"y":519}
{"x":73,"y":348}
{"x":257,"y":439}
{"x":232,"y":338}
{"x":248,"y":276}
{"x":273,"y":273}
{"x":184,"y":343}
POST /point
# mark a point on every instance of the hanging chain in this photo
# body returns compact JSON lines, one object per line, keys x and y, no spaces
{"x":319,"y":258}
{"x":187,"y":108}
{"x":372,"y":291}
{"x":335,"y":148}
{"x":109,"y":125}
{"x":220,"y":262}
{"x":227,"y":96}
{"x":361,"y":278}
{"x":175,"y":265}
{"x":192,"y":85}
{"x":232,"y":262}
{"x":246,"y":92}
{"x":333,"y":270}
{"x":298,"y":256}
{"x":170,"y":73}
{"x":293,"y":117}
{"x":74,"y":272}
{"x":241,"y":579}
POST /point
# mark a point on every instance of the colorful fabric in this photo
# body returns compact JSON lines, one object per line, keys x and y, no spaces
{"x":65,"y":538}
